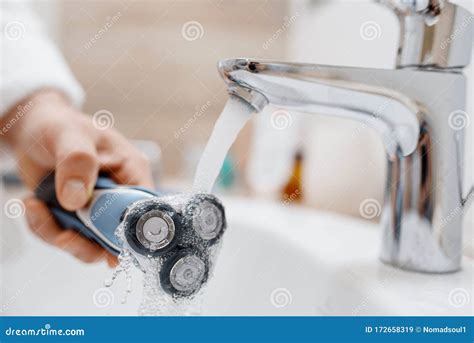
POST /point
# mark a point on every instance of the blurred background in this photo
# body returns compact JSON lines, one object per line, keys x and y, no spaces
{"x":151,"y":77}
{"x":152,"y":65}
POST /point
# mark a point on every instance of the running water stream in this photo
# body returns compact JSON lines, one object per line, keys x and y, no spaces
{"x":155,"y":301}
{"x":233,"y":118}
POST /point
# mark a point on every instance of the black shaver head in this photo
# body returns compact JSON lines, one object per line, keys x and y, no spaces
{"x":151,"y":228}
{"x":204,"y":220}
{"x":184,"y":271}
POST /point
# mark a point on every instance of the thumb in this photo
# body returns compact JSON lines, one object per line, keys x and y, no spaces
{"x":77,"y":167}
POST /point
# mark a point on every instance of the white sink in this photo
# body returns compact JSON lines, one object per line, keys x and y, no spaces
{"x":276,"y":260}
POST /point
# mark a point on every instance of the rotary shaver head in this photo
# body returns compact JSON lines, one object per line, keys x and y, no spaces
{"x":204,"y":220}
{"x":180,"y":231}
{"x":183,"y":272}
{"x":151,"y":229}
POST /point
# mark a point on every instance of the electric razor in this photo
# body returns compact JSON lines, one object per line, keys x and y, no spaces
{"x":178,"y":229}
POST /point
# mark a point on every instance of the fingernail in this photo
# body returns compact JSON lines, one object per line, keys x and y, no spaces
{"x":75,"y":193}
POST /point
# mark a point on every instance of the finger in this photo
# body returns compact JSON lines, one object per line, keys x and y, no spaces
{"x":133,"y":171}
{"x":79,"y":246}
{"x":112,"y":260}
{"x":44,"y":226}
{"x":77,"y":167}
{"x":40,"y":220}
{"x":125,"y":163}
{"x":30,"y":171}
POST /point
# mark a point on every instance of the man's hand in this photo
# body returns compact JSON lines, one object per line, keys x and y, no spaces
{"x":52,"y":135}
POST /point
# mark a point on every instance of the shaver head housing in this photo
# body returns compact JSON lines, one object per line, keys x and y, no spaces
{"x":184,"y":271}
{"x":180,"y":230}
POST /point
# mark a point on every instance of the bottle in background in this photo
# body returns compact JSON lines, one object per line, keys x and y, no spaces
{"x":292,"y":192}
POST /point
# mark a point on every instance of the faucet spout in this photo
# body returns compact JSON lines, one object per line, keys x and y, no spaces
{"x":422,"y":211}
{"x":394,"y":115}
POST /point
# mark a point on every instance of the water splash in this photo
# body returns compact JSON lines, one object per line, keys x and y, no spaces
{"x":156,"y":302}
{"x":126,"y":260}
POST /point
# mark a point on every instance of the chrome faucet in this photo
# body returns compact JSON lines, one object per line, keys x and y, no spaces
{"x":419,"y":110}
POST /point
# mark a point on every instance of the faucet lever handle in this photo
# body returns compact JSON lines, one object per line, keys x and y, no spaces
{"x":433,"y":33}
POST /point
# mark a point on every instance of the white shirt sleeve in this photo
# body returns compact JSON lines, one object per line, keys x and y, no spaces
{"x":29,"y":60}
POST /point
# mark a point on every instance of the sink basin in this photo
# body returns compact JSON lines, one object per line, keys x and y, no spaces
{"x":276,"y":260}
